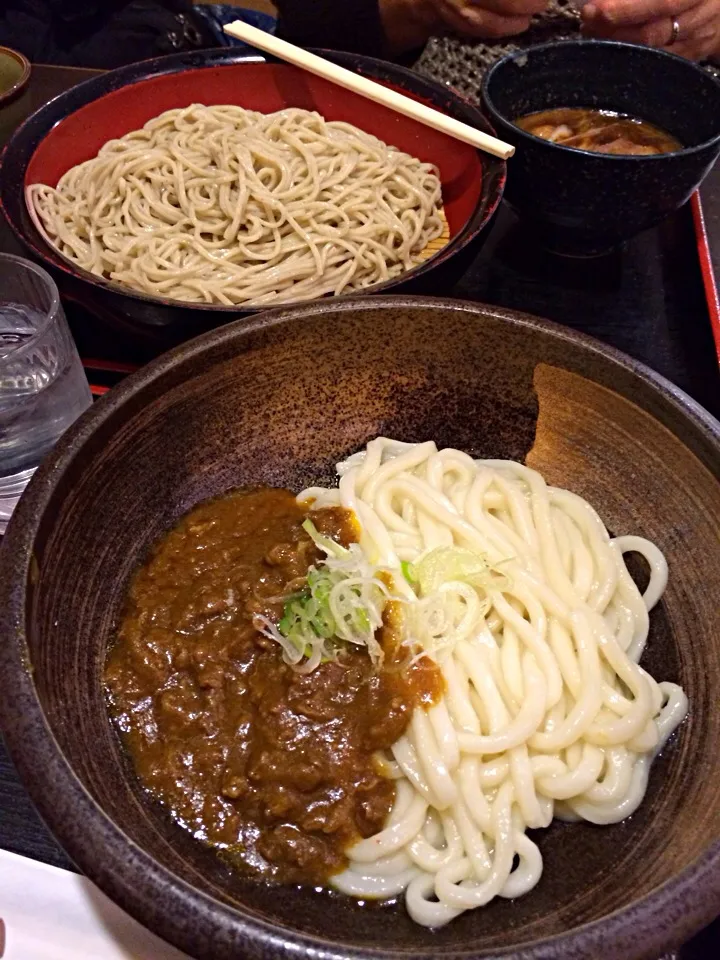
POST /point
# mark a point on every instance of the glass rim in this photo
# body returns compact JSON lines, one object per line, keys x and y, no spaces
{"x":51,"y":313}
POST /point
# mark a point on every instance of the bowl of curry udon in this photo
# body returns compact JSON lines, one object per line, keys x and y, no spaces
{"x":379,"y":628}
{"x":182,"y":192}
{"x":611,"y":138}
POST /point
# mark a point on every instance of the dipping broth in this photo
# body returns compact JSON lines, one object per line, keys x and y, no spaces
{"x":600,"y":131}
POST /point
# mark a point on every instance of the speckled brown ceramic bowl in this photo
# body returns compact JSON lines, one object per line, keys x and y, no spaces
{"x":278,"y":401}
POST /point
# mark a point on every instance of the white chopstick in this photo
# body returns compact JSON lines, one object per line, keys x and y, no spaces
{"x":368,"y":88}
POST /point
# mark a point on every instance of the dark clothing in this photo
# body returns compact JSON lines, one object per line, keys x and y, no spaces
{"x":352,"y":25}
{"x":109,"y":33}
{"x":100,"y":33}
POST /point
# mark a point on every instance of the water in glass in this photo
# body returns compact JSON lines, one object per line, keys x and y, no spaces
{"x":42,"y":389}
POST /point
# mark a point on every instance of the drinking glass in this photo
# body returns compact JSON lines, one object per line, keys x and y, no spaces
{"x":42,"y":383}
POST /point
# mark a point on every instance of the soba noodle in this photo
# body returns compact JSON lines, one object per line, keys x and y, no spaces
{"x":546,"y":711}
{"x":229,"y":206}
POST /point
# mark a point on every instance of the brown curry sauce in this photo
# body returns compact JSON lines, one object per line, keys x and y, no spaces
{"x":269,"y":766}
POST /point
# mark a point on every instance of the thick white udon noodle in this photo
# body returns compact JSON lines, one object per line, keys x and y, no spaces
{"x":225,"y":205}
{"x":546,"y":710}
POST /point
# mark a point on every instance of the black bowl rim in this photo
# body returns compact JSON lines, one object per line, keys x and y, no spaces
{"x":53,"y":112}
{"x":600,"y":157}
{"x":134,"y":878}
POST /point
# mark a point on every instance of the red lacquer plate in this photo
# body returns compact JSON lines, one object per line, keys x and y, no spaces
{"x":72,"y":127}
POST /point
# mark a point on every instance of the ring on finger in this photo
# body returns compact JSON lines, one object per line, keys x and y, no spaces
{"x":674,"y":31}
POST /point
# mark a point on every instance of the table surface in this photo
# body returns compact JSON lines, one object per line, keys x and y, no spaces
{"x":647,"y":300}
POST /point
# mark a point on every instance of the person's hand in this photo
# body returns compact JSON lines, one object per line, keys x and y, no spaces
{"x":652,"y":22}
{"x":488,"y":19}
{"x":409,"y":23}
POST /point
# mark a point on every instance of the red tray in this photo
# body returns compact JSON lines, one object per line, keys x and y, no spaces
{"x":706,"y":266}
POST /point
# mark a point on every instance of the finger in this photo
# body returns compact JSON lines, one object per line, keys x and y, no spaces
{"x":629,"y":12}
{"x":485,"y":24}
{"x":691,"y":51}
{"x":510,"y":8}
{"x":700,"y":45}
{"x":657,"y":33}
{"x":697,"y":26}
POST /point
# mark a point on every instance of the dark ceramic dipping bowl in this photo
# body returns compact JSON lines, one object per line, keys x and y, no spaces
{"x":280,"y":399}
{"x":14,"y":74}
{"x":75,"y":125}
{"x":582,"y":202}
